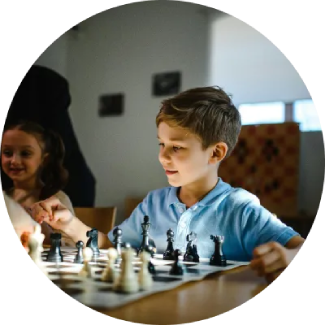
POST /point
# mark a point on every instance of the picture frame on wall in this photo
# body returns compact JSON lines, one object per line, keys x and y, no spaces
{"x":111,"y":105}
{"x":166,"y":84}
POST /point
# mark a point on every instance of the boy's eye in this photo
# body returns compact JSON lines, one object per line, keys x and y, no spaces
{"x":176,"y":148}
{"x":161,"y":144}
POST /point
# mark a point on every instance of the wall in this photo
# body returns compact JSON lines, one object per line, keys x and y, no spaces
{"x":250,"y":67}
{"x":119,"y":50}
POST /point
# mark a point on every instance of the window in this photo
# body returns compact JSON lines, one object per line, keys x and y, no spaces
{"x":300,"y":111}
{"x":262,"y":113}
{"x":304,"y":112}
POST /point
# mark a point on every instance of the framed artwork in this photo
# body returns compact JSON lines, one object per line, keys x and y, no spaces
{"x":111,"y":105}
{"x":165,"y":84}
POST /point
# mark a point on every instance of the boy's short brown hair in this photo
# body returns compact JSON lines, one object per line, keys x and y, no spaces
{"x":206,"y":112}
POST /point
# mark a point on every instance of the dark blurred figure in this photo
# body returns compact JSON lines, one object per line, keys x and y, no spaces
{"x":43,"y":97}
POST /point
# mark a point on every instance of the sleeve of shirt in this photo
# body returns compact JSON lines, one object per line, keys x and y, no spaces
{"x":260,"y":226}
{"x":131,"y":227}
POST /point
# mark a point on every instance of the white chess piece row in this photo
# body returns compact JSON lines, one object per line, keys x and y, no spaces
{"x":127,"y":281}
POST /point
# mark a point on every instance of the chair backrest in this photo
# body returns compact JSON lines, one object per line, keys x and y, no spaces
{"x":103,"y":219}
{"x":130,"y":204}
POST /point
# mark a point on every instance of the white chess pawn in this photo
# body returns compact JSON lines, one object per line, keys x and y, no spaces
{"x":109,"y":273}
{"x":87,"y":254}
{"x":35,"y":245}
{"x":127,"y":280}
{"x":145,"y":278}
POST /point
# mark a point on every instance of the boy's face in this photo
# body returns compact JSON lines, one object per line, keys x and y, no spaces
{"x":21,"y":155}
{"x":182,"y":156}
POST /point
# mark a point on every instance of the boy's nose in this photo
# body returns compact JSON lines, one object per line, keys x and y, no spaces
{"x":164,"y":156}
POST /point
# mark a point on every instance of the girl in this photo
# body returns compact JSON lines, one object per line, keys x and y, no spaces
{"x":32,"y":168}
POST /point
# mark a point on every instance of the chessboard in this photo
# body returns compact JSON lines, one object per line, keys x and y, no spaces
{"x":94,"y":293}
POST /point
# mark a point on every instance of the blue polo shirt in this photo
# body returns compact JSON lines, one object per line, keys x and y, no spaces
{"x":231,"y":212}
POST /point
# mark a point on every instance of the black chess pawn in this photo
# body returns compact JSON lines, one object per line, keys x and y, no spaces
{"x":55,"y":254}
{"x":79,"y":257}
{"x":151,"y":267}
{"x":145,"y":237}
{"x":177,"y":268}
{"x":93,"y":242}
{"x":191,"y":254}
{"x":218,"y":258}
{"x":117,"y":242}
{"x":169,"y":252}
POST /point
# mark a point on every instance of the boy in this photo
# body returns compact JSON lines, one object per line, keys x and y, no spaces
{"x":197,"y":129}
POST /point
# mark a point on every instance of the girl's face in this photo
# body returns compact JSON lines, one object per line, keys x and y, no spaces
{"x":21,"y":156}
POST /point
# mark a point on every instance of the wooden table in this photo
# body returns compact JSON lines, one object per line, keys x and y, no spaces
{"x":195,"y":301}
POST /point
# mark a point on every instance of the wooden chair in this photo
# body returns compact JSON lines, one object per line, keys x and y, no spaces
{"x":130,"y":204}
{"x":103,"y":219}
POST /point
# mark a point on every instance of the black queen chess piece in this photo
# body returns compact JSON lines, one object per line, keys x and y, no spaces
{"x":169,"y":252}
{"x":218,"y":258}
{"x":55,"y":254}
{"x":93,"y":242}
{"x":191,"y":254}
{"x":145,"y":237}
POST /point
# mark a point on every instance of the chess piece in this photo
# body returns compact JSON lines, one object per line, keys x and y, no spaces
{"x":145,"y":236}
{"x":218,"y":258}
{"x":109,"y":273}
{"x":127,"y":280}
{"x":93,"y":241}
{"x":177,"y":268}
{"x":117,"y":233}
{"x":87,"y":254}
{"x":35,"y":246}
{"x":151,"y":267}
{"x":79,"y":257}
{"x":145,"y":278}
{"x":191,"y":254}
{"x":169,"y":252}
{"x":196,"y":257}
{"x":54,"y":254}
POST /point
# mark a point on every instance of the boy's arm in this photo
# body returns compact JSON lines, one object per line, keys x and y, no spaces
{"x":271,"y":259}
{"x":295,"y":242}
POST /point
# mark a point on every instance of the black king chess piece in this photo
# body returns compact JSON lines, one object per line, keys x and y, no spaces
{"x":191,"y":254}
{"x":218,"y":258}
{"x":117,"y":242}
{"x":79,"y":257}
{"x":169,"y":252}
{"x":145,"y":239}
{"x":55,"y":254}
{"x":93,"y":242}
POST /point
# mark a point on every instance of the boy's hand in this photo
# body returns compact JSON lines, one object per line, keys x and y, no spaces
{"x":269,"y":260}
{"x":53,"y":212}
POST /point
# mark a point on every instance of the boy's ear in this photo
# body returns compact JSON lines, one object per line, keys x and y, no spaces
{"x":219,"y":152}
